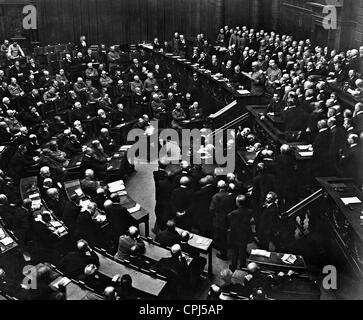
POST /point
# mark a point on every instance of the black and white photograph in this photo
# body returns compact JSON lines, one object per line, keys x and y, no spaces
{"x":181,"y":155}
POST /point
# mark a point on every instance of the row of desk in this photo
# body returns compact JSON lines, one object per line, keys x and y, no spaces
{"x":215,"y":93}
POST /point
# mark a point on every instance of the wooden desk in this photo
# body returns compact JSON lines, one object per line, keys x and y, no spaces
{"x":344,"y":220}
{"x":203,"y":245}
{"x":274,"y":262}
{"x":74,"y":291}
{"x":155,"y":252}
{"x":218,"y":92}
{"x":143,"y":282}
{"x":71,"y":186}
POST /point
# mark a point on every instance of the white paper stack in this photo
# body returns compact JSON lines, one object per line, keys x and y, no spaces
{"x":134,"y":209}
{"x":116,"y":186}
{"x":6,"y":241}
{"x":352,"y":200}
{"x":289,"y":258}
{"x":261,"y":253}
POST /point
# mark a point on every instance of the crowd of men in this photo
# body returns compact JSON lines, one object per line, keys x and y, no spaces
{"x":98,"y":96}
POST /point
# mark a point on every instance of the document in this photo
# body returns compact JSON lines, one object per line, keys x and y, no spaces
{"x":61,"y":282}
{"x":289,"y":258}
{"x":304,"y":147}
{"x":78,"y":192}
{"x":116,"y":186}
{"x":352,"y":200}
{"x":55,"y":224}
{"x":306,"y":153}
{"x":243,"y":92}
{"x":6,"y":241}
{"x":134,"y":209}
{"x":261,"y":253}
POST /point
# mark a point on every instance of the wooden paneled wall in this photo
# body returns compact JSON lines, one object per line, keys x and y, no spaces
{"x":125,"y":21}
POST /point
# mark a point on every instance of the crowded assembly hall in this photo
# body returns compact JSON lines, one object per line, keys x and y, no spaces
{"x":82,"y":219}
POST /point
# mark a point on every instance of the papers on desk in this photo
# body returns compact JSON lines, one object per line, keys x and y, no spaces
{"x":84,"y":204}
{"x":134,"y":209}
{"x":116,"y":186}
{"x":304,"y":147}
{"x":36,"y":204}
{"x":202,"y":241}
{"x":34,"y":196}
{"x":6,"y":241}
{"x":306,"y":153}
{"x":61,"y":282}
{"x":243,"y":92}
{"x":2,"y":148}
{"x":351,"y":200}
{"x":2,"y":233}
{"x":288,"y":258}
{"x":55,"y":224}
{"x":78,"y":192}
{"x":261,"y":253}
{"x":61,"y":230}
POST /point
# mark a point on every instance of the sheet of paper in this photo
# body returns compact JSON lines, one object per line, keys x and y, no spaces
{"x":56,"y":224}
{"x":134,"y":209}
{"x":2,"y":148}
{"x":78,"y":192}
{"x":289,"y":258}
{"x":352,"y":200}
{"x":62,"y":281}
{"x":243,"y":92}
{"x":6,"y":241}
{"x":261,"y":253}
{"x":116,"y":186}
{"x":303,"y":147}
{"x":34,"y":195}
{"x":306,"y":153}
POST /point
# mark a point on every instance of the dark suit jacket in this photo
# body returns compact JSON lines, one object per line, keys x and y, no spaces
{"x":119,"y":219}
{"x":70,"y":215}
{"x":73,"y":263}
{"x":239,"y":227}
{"x":168,"y":238}
{"x":358,"y":123}
{"x":86,"y":228}
{"x":321,"y":148}
{"x":295,"y":119}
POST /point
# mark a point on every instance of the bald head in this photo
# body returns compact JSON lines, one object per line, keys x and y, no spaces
{"x":133,"y":232}
{"x":175,"y":250}
{"x":184,"y":181}
{"x":109,"y":293}
{"x":82,"y":245}
{"x":3,"y":199}
{"x":252,"y":268}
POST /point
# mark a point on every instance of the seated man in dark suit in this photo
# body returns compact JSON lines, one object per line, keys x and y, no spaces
{"x":89,"y":184}
{"x":92,"y":279}
{"x":169,"y":236}
{"x":86,"y":227}
{"x":118,"y":217}
{"x":72,"y":146}
{"x":127,"y":241}
{"x":294,"y":117}
{"x":123,"y":287}
{"x":106,"y":141}
{"x":71,"y":212}
{"x":175,"y":269}
{"x":74,"y":263}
